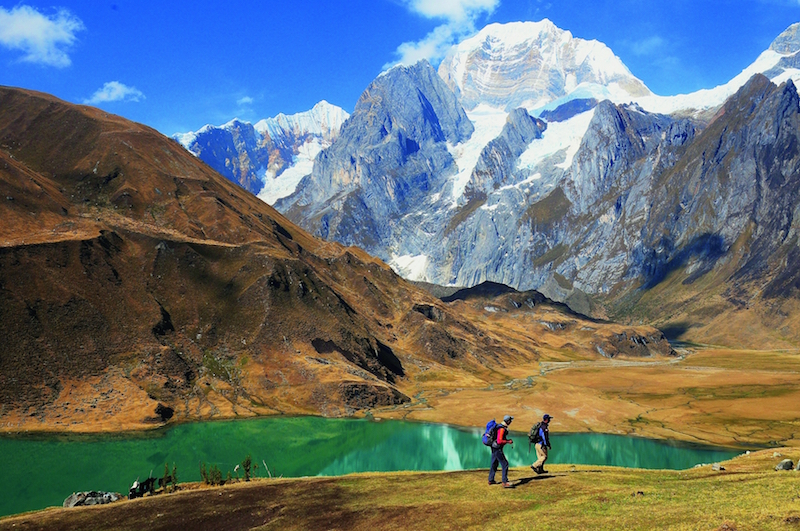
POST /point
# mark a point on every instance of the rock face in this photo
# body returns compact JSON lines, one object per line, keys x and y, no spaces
{"x":257,"y":156}
{"x":498,"y":159}
{"x":92,"y":497}
{"x":738,"y":180}
{"x":786,"y":464}
{"x":389,"y":158}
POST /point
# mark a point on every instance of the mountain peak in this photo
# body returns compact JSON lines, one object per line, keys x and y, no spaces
{"x":788,"y":42}
{"x":529,"y":64}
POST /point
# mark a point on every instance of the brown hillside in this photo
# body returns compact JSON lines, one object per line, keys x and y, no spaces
{"x":139,"y":286}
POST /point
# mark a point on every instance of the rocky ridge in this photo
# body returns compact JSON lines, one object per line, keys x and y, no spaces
{"x":270,"y":157}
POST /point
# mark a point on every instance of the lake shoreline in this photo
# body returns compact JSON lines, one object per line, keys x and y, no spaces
{"x":155,"y":431}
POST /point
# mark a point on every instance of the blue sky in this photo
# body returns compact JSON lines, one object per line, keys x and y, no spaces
{"x":178,"y":65}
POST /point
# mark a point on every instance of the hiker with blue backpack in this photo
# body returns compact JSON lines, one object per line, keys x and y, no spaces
{"x":496,"y":437}
{"x":540,"y":437}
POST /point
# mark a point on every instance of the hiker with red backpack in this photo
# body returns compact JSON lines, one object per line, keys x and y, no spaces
{"x":497,"y":437}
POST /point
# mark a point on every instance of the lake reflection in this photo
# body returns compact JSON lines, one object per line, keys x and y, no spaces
{"x":41,"y":472}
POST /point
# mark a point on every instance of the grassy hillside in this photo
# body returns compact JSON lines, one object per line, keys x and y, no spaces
{"x":747,"y":494}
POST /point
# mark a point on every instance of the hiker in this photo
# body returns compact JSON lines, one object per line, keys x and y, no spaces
{"x":497,"y":452}
{"x":540,"y":435}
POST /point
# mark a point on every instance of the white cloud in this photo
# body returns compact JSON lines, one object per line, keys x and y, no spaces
{"x":459,"y":17}
{"x":42,"y":39}
{"x":246,"y":100}
{"x":453,"y":10}
{"x":114,"y":91}
{"x":649,"y":46}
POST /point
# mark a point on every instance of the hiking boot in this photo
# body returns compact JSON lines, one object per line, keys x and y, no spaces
{"x":507,"y":485}
{"x":542,"y":470}
{"x":538,"y":470}
{"x":492,"y":482}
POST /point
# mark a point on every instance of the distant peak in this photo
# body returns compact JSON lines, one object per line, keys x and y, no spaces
{"x":236,"y":122}
{"x":530,"y":64}
{"x":515,"y":33}
{"x":788,"y":42}
{"x":404,"y":69}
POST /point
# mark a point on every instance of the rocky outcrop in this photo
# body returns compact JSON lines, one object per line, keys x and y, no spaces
{"x":93,"y":497}
{"x":629,"y":343}
{"x":360,"y":395}
{"x":389,"y":157}
{"x":786,"y":464}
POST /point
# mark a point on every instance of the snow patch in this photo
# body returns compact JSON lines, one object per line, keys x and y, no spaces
{"x":410,"y":267}
{"x":186,"y":140}
{"x":488,"y":122}
{"x":559,"y":136}
{"x":286,"y":183}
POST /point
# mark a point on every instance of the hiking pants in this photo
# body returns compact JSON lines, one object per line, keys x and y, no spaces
{"x":541,"y":455}
{"x":498,"y":457}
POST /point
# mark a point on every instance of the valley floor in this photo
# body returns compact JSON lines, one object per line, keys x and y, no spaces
{"x":735,"y":398}
{"x":716,"y":396}
{"x":746,"y":494}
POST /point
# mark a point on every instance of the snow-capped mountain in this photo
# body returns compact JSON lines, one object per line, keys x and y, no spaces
{"x":780,"y":62}
{"x":530,"y":64}
{"x":555,"y":187}
{"x":271,"y":157}
{"x":536,"y":159}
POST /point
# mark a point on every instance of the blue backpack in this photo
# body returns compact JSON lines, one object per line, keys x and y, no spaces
{"x":490,"y":435}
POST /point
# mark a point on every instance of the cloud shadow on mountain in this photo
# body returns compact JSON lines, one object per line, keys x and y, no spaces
{"x":707,"y":248}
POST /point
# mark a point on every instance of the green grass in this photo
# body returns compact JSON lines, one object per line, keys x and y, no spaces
{"x":748,"y":495}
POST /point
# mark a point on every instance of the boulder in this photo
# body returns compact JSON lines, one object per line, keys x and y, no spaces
{"x":91,"y":498}
{"x":786,"y":464}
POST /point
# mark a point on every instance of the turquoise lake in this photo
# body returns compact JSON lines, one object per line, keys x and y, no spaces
{"x":42,"y":471}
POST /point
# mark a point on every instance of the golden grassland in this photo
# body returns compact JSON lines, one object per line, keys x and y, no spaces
{"x":721,"y":397}
{"x":712,"y":395}
{"x":746,"y":495}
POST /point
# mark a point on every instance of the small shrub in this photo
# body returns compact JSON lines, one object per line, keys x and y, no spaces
{"x":204,"y":473}
{"x":247,"y":464}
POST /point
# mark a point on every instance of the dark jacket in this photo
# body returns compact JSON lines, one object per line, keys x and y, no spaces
{"x":544,"y":435}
